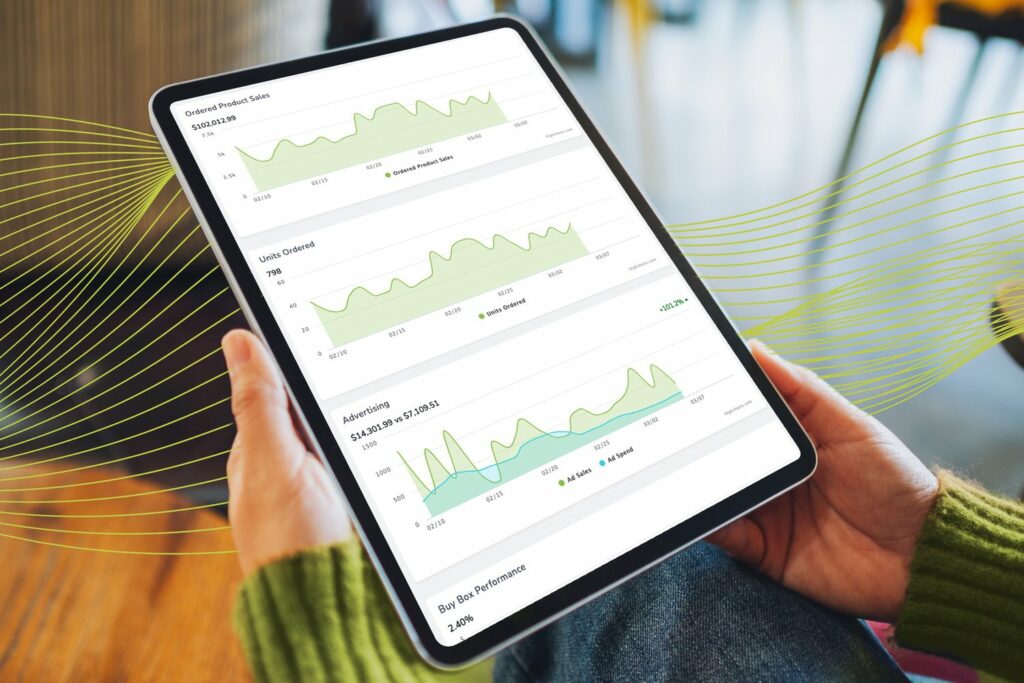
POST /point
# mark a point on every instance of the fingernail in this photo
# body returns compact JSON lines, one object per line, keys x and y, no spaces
{"x":236,"y":349}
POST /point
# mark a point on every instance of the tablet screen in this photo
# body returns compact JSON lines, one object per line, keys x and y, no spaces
{"x":519,"y":376}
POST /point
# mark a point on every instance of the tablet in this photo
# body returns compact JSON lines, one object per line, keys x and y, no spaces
{"x":522,"y":388}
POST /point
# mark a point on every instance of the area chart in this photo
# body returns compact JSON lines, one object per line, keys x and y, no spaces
{"x":531,"y":447}
{"x":391,"y":129}
{"x":471,"y":268}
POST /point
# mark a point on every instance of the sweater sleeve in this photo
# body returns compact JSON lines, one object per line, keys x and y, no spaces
{"x":965,"y":598}
{"x":323,"y":615}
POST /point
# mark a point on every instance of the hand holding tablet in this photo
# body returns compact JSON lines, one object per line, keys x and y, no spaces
{"x":845,"y":538}
{"x":521,"y":387}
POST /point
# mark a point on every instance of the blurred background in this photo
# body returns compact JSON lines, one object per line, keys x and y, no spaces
{"x":716,"y":107}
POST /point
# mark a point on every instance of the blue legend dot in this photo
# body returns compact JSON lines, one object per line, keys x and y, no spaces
{"x":601,"y":463}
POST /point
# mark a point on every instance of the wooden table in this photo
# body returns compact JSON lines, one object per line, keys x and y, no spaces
{"x":96,"y":616}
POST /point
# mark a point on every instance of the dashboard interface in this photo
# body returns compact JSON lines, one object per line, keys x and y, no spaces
{"x":520,"y":378}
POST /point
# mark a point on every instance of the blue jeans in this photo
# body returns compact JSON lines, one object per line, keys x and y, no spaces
{"x":700,"y":616}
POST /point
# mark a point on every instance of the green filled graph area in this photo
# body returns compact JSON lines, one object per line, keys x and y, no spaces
{"x":389,"y":130}
{"x":471,"y":268}
{"x":461,"y":480}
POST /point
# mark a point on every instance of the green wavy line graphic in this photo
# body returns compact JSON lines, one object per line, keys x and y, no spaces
{"x":111,"y":306}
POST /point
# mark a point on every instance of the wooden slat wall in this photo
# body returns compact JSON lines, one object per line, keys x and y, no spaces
{"x":101,"y":60}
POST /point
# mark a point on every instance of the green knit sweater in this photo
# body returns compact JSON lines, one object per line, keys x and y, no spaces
{"x":322,"y":615}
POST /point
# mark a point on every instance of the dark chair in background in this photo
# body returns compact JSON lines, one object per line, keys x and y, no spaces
{"x":960,"y":17}
{"x":1007,"y":318}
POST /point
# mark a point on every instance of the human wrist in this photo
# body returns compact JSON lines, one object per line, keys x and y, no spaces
{"x":917,"y":515}
{"x":274,"y":540}
{"x":295,"y":516}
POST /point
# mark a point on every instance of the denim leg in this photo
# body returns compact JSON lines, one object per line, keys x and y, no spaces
{"x":700,"y":616}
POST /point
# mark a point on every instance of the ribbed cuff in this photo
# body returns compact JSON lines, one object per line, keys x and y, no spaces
{"x":322,"y":615}
{"x":965,"y":598}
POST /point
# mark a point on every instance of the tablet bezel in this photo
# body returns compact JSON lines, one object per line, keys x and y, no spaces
{"x":244,"y":284}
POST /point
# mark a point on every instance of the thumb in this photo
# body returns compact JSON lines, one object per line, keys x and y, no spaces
{"x":742,"y":539}
{"x":259,"y":403}
{"x":821,"y":410}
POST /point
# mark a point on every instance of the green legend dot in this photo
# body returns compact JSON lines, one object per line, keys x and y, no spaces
{"x":561,"y":482}
{"x":481,"y":316}
{"x":387,"y":175}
